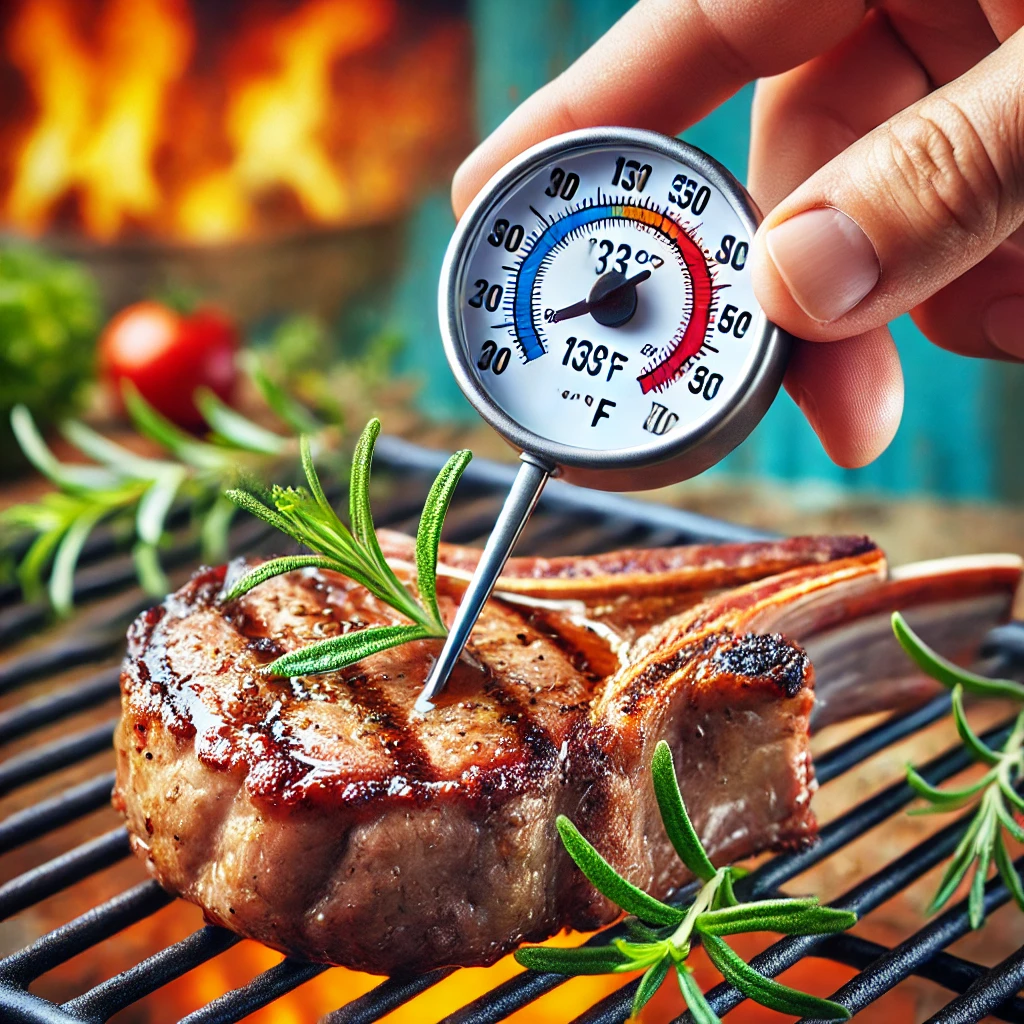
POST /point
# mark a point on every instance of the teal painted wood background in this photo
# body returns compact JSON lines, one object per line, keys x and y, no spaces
{"x":963,"y":421}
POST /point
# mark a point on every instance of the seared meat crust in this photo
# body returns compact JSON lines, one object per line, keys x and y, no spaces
{"x":321,"y":816}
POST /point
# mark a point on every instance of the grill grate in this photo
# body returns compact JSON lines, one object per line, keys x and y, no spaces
{"x":568,"y":519}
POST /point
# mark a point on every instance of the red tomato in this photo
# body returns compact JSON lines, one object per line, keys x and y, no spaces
{"x":167,"y":356}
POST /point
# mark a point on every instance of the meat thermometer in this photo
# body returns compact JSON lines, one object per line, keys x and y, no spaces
{"x":597,"y":310}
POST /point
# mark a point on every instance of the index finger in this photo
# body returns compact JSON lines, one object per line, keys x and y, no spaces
{"x":662,"y":66}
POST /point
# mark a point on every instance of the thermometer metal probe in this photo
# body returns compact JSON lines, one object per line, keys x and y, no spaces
{"x":596,"y":309}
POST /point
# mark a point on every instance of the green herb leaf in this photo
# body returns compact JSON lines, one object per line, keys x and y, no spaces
{"x":428,"y":536}
{"x":214,"y":530}
{"x":72,"y":478}
{"x":581,"y":960}
{"x":764,"y":990}
{"x":111,"y":454}
{"x":359,"y":514}
{"x":726,"y":897}
{"x":677,"y":822}
{"x":1008,"y":872}
{"x":1009,"y":823}
{"x":316,"y":489}
{"x":148,"y":569}
{"x":290,"y":412}
{"x":608,"y":881}
{"x":62,"y":578}
{"x":945,"y":672}
{"x":980,"y":750}
{"x":158,"y":428}
{"x":650,"y":983}
{"x":987,"y":835}
{"x":236,"y":429}
{"x":309,"y":518}
{"x":961,"y":860}
{"x":639,"y":932}
{"x":339,"y":651}
{"x":1010,"y":794}
{"x":698,"y":1006}
{"x":137,"y":492}
{"x":945,"y":799}
{"x":254,"y":506}
{"x":789,"y":916}
{"x":275,"y":567}
{"x":156,"y":503}
{"x":31,"y":568}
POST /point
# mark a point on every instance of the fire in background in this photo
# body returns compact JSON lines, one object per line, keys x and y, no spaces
{"x":212,"y":122}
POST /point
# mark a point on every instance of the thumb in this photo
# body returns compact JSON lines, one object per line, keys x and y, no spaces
{"x":903,"y":211}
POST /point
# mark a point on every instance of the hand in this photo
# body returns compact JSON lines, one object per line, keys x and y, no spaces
{"x":888,"y":146}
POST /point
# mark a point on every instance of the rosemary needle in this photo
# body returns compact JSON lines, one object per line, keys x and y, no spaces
{"x":305,"y":515}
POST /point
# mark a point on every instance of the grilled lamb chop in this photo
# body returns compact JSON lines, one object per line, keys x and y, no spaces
{"x":323,"y":817}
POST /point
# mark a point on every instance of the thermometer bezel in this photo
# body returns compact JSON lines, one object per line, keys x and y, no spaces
{"x":676,"y":456}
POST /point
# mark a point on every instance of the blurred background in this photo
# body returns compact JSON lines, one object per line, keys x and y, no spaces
{"x":284,"y":158}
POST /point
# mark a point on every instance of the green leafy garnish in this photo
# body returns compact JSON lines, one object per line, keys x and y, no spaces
{"x":50,"y":316}
{"x":305,"y":515}
{"x":136,"y":494}
{"x":662,"y":935}
{"x":994,"y":796}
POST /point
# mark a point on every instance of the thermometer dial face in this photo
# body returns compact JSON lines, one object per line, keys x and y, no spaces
{"x":597,"y":302}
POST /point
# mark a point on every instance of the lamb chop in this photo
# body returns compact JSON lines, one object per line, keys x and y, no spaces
{"x":324,"y":817}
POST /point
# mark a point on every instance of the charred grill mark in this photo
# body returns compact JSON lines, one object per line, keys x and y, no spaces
{"x":768,"y":656}
{"x":546,"y":627}
{"x":397,"y":738}
{"x":263,"y":646}
{"x":534,"y":739}
{"x":649,"y":678}
{"x":265,"y":649}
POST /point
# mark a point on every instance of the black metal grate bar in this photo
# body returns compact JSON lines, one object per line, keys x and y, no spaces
{"x":986,"y":994}
{"x":101,"y":1003}
{"x":951,"y":972}
{"x":62,"y":871}
{"x":53,"y":707}
{"x":81,"y":649}
{"x":842,"y":758}
{"x":78,"y":935}
{"x":387,"y":996}
{"x":568,"y":517}
{"x":45,"y":760}
{"x":261,"y":991}
{"x":35,"y":821}
{"x":915,"y":955}
{"x":861,"y":899}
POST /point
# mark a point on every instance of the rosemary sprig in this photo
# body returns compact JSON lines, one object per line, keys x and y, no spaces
{"x":994,"y":796}
{"x":662,"y":934}
{"x":305,"y":515}
{"x":135,"y":494}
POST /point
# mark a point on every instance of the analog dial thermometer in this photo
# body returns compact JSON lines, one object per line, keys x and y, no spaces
{"x":597,"y":310}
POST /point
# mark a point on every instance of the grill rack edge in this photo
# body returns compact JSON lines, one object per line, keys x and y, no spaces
{"x":599,"y":521}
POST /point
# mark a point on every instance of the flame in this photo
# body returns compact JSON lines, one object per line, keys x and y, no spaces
{"x":337,"y":986}
{"x":134,"y":129}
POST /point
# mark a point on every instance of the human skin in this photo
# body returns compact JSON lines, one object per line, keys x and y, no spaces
{"x":887,"y":151}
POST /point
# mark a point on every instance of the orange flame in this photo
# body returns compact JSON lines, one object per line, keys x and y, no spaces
{"x":337,"y":986}
{"x":133,"y":130}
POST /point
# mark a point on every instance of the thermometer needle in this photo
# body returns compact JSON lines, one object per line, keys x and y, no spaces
{"x":522,"y":498}
{"x":606,"y":290}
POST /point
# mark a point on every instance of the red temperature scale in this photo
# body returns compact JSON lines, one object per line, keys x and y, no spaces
{"x":597,"y":310}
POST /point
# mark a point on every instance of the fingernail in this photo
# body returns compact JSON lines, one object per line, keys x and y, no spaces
{"x":826,"y":260}
{"x":1004,"y":325}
